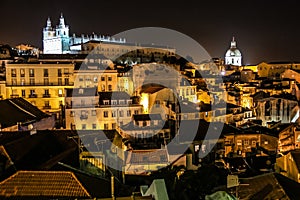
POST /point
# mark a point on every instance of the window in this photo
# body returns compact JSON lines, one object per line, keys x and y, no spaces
{"x":109,"y":88}
{"x":106,"y":102}
{"x":113,"y":113}
{"x":59,"y":74}
{"x":60,"y":93}
{"x":253,"y":143}
{"x":82,"y":102}
{"x":22,"y":81}
{"x":59,"y":81}
{"x":83,"y":126}
{"x":121,"y":102}
{"x":121,"y":113}
{"x":13,"y":72}
{"x":94,"y":126}
{"x":114,"y":102}
{"x":31,"y":81}
{"x":94,"y":113}
{"x":14,"y":81}
{"x":102,"y":78}
{"x":46,"y":81}
{"x":128,"y":113}
{"x":22,"y":72}
{"x":23,"y":93}
{"x":67,"y":81}
{"x":46,"y":73}
{"x":239,"y":142}
{"x":266,"y":142}
{"x":72,"y":113}
{"x":47,"y":91}
{"x":136,"y":112}
{"x":246,"y":142}
{"x":32,"y":92}
{"x":95,"y":79}
{"x":105,"y":114}
{"x":47,"y":104}
{"x":109,"y":78}
{"x":105,"y":126}
{"x":31,"y":72}
{"x":80,"y":78}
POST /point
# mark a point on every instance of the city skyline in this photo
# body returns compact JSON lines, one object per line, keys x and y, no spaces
{"x":211,"y":24}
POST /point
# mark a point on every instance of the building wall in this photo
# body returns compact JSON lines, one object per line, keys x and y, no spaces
{"x":286,"y":166}
{"x":275,"y":109}
{"x":242,"y":143}
{"x":41,"y":84}
{"x":103,"y":117}
{"x":104,"y":80}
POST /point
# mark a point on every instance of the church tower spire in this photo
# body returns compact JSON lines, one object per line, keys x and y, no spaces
{"x":61,"y":21}
{"x":233,"y":43}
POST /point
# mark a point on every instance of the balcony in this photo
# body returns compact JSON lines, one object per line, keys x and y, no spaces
{"x":14,"y":96}
{"x":46,"y":95}
{"x":32,"y":96}
{"x":46,"y":107}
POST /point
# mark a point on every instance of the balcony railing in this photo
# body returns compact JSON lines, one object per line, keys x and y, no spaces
{"x":41,"y":84}
{"x":46,"y":107}
{"x":32,"y":96}
{"x":46,"y":95}
{"x":14,"y":96}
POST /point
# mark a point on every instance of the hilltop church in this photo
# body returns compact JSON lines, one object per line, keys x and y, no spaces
{"x":58,"y":41}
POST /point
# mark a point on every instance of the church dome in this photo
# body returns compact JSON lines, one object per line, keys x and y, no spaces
{"x":233,"y":55}
{"x":233,"y":51}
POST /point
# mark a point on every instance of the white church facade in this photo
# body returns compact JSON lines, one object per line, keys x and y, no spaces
{"x":233,"y":55}
{"x":57,"y":40}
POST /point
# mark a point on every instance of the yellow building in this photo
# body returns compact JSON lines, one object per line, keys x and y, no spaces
{"x":85,"y":110}
{"x":104,"y":80}
{"x":274,"y":69}
{"x":42,"y":84}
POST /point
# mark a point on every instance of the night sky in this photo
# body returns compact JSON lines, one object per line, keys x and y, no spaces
{"x":265,"y":30}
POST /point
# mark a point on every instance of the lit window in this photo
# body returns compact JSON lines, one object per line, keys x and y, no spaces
{"x":105,"y":114}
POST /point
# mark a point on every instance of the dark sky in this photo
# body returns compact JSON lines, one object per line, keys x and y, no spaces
{"x":265,"y":30}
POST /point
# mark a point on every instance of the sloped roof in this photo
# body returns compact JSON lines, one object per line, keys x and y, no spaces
{"x":145,"y":117}
{"x":41,"y":150}
{"x":150,"y":156}
{"x":81,"y":92}
{"x":41,"y":184}
{"x":113,"y":96}
{"x":198,"y":130}
{"x":21,"y":110}
{"x":268,"y":186}
{"x":296,"y":157}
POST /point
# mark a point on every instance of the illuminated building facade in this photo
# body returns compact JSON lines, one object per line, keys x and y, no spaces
{"x":42,"y":84}
{"x":88,"y":110}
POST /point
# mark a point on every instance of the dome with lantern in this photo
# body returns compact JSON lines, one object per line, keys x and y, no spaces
{"x":233,"y":55}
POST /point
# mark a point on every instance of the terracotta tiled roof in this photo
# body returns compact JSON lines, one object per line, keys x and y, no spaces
{"x":147,"y":156}
{"x":52,"y":184}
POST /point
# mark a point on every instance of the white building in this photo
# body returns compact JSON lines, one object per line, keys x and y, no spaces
{"x":58,"y":41}
{"x":233,"y":56}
